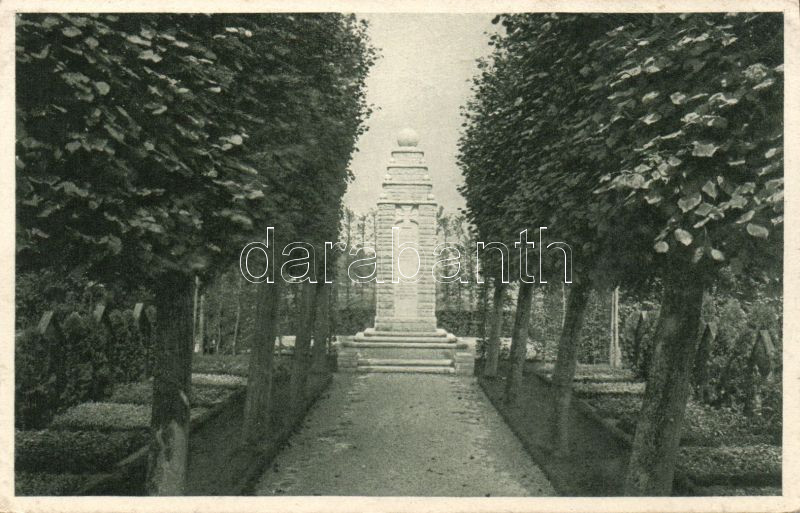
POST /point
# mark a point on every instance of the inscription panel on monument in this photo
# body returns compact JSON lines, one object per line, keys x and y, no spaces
{"x":406,"y":292}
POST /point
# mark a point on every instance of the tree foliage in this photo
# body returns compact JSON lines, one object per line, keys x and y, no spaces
{"x":154,"y":143}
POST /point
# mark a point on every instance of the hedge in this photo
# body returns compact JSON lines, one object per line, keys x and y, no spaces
{"x":108,"y":416}
{"x":618,"y":388}
{"x":142,"y":393}
{"x":740,"y":491}
{"x":746,"y":465}
{"x":236,"y":365}
{"x":83,"y":365}
{"x":703,"y":425}
{"x":73,"y":451}
{"x":46,"y":483}
{"x":219,"y":380}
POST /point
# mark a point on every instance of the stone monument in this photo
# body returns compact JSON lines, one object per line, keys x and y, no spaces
{"x":405,"y":337}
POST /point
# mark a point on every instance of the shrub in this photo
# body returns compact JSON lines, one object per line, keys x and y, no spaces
{"x":721,"y":491}
{"x":52,"y":375}
{"x":236,"y":365}
{"x":222,"y":380}
{"x":129,"y":351}
{"x":619,"y":388}
{"x":46,"y":483}
{"x":753,"y":464}
{"x":111,"y":416}
{"x":142,"y":393}
{"x":35,"y":391}
{"x":703,"y":425}
{"x":108,"y":416}
{"x":73,"y":451}
{"x":707,"y":426}
{"x":730,"y":366}
{"x":592,"y":373}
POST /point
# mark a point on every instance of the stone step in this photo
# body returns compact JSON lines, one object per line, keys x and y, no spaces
{"x":406,"y":369}
{"x":403,"y":338}
{"x":401,"y":362}
{"x":400,"y":344}
{"x":370,"y":332}
{"x":402,"y":353}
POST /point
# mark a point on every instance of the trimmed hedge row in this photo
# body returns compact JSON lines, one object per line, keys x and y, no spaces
{"x":108,"y":416}
{"x":462,"y":323}
{"x":720,"y":447}
{"x":703,"y":425}
{"x":142,"y":393}
{"x":46,"y":483}
{"x":591,"y":388}
{"x":749,"y":465}
{"x":234,"y":365}
{"x":73,"y":451}
{"x":218,"y":380}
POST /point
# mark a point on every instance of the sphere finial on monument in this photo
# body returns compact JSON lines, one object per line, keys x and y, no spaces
{"x":407,"y":137}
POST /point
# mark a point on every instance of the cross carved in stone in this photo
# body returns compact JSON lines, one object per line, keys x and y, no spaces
{"x":405,"y":215}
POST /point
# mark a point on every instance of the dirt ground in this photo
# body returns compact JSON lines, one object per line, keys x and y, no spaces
{"x":404,"y":434}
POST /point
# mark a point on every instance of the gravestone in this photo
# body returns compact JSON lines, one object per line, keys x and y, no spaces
{"x":405,"y":337}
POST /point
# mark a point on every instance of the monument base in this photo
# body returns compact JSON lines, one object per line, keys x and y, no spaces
{"x":426,"y":351}
{"x":408,"y":324}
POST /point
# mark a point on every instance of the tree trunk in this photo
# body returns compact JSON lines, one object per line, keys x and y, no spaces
{"x":302,"y":341}
{"x":519,"y":341}
{"x":220,"y":298}
{"x":195,"y":304}
{"x":238,"y":314}
{"x":614,"y":351}
{"x":200,"y":342}
{"x":321,"y":328}
{"x":169,"y":441}
{"x":638,"y":332}
{"x":259,"y":380}
{"x":484,"y":317}
{"x":655,"y":445}
{"x":566,"y":361}
{"x":700,"y":370}
{"x":491,"y":353}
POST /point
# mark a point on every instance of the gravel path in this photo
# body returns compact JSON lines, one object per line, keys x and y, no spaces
{"x":404,"y":434}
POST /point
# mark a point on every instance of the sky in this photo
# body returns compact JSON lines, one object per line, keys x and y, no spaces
{"x":420,"y":81}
